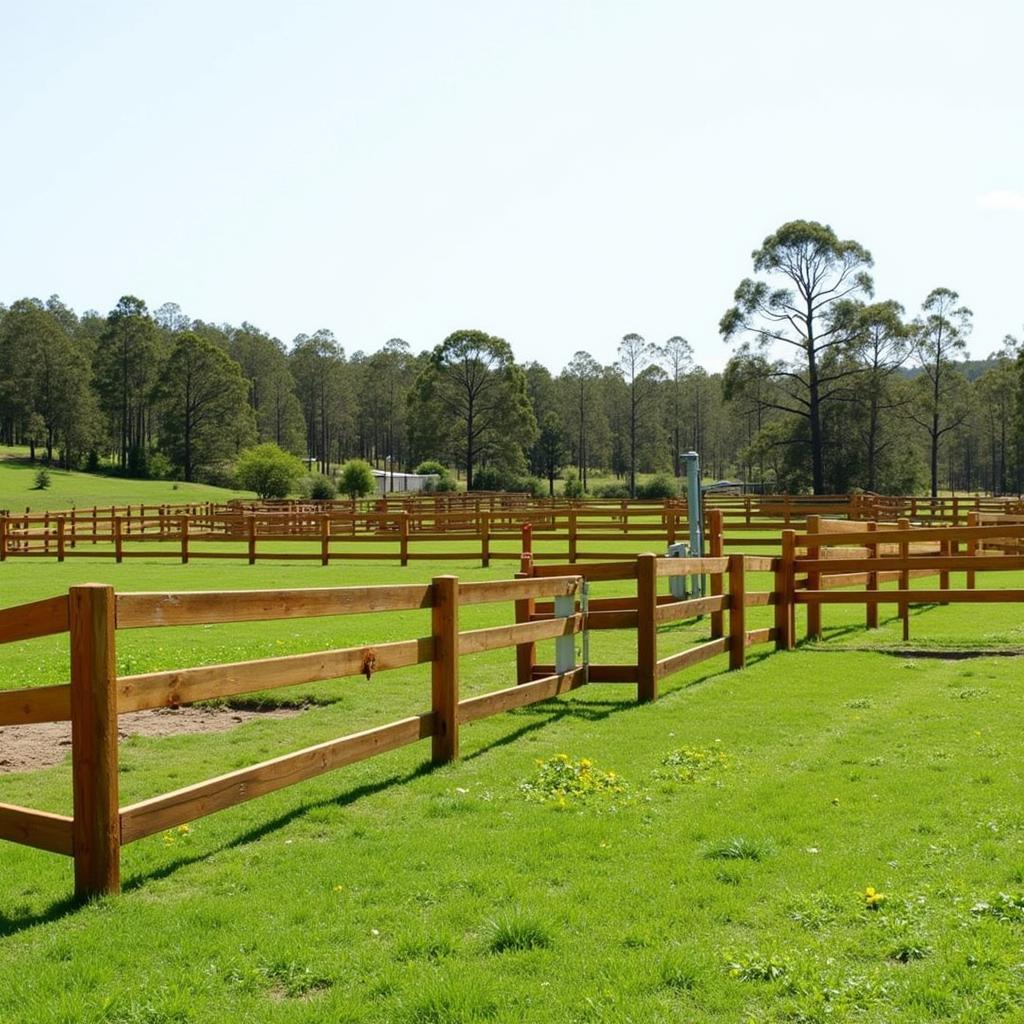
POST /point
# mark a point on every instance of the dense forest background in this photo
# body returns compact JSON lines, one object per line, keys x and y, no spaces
{"x":861,"y":396}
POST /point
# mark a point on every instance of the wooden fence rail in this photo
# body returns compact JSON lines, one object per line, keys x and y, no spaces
{"x":93,"y":613}
{"x":822,"y":566}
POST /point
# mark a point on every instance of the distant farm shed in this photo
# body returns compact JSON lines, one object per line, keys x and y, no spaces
{"x":403,"y":482}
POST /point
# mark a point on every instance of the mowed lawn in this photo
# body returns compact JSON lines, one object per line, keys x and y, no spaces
{"x":723,"y":875}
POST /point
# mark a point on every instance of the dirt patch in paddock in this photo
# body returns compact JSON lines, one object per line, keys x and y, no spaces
{"x":24,"y":748}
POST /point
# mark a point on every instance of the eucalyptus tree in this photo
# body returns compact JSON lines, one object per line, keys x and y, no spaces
{"x":883,"y":347}
{"x":206,"y":415}
{"x":939,"y":337}
{"x":581,"y":378}
{"x":126,"y":368}
{"x":317,"y":363}
{"x":471,"y":400}
{"x":271,"y":391}
{"x":46,"y":380}
{"x":677,"y":360}
{"x":808,"y":271}
{"x":641,"y":374}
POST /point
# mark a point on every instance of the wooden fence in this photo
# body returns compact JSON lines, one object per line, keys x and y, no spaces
{"x":92,"y":614}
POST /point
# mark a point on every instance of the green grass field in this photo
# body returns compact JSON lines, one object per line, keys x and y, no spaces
{"x":18,"y":489}
{"x":727,"y":881}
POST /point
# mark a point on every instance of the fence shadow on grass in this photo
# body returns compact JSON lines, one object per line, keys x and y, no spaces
{"x":544,"y":713}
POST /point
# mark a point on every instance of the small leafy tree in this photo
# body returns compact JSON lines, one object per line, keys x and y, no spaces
{"x":357,"y":479}
{"x":268,"y":470}
{"x":42,"y":478}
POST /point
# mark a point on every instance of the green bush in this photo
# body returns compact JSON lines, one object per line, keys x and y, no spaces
{"x":317,"y":487}
{"x":445,"y":481}
{"x":611,"y":491}
{"x":42,"y":478}
{"x":159,"y":467}
{"x":432,"y":467}
{"x":659,"y":486}
{"x":357,"y":479}
{"x":573,"y":487}
{"x":268,"y":470}
{"x":488,"y":478}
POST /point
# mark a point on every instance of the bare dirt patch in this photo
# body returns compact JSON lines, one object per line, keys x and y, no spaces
{"x":25,"y":748}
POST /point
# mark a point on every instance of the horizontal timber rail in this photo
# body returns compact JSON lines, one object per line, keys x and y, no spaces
{"x":553,"y":604}
{"x":463,"y":527}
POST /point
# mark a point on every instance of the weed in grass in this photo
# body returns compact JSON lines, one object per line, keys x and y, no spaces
{"x":561,"y":780}
{"x":758,"y":966}
{"x":1002,"y":907}
{"x":739,"y":848}
{"x":873,"y":899}
{"x":148,"y":1013}
{"x":690,"y":764}
{"x":908,"y":948}
{"x":814,"y":910}
{"x":861,"y":702}
{"x":971,"y":693}
{"x":679,"y":974}
{"x":516,"y":931}
{"x":291,"y":980}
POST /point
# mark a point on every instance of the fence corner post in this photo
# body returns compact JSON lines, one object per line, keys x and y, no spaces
{"x":737,"y":613}
{"x":813,"y":582}
{"x":444,"y":669}
{"x":96,"y":827}
{"x":646,"y":628}
{"x":785,"y":585}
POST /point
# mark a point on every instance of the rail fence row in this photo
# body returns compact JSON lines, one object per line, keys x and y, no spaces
{"x":829,"y":562}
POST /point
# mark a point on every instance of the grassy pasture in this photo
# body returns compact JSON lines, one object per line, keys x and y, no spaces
{"x":728,"y":884}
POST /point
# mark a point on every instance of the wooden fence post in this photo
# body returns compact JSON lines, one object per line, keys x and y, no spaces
{"x":184,"y":540}
{"x":527,"y":544}
{"x":737,"y":613}
{"x":572,"y":536}
{"x":526,"y":654}
{"x":325,"y":539}
{"x":251,"y":532}
{"x":403,"y":537}
{"x":871,"y":609}
{"x":904,"y":584}
{"x":3,"y":538}
{"x":973,"y":519}
{"x":814,"y":583}
{"x":785,"y":584}
{"x":485,"y":539}
{"x":444,"y":669}
{"x":647,"y":628}
{"x":96,"y":828}
{"x":716,"y":527}
{"x":115,"y":524}
{"x":60,"y":539}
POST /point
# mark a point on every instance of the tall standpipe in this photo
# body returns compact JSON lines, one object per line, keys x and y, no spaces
{"x":694,"y":513}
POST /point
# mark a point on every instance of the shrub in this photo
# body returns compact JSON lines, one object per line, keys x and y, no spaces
{"x":357,"y":479}
{"x":445,"y":481}
{"x":573,"y":487}
{"x":611,"y":491}
{"x":159,"y":467}
{"x":42,"y":478}
{"x":659,"y":486}
{"x":268,"y":470}
{"x":317,"y":487}
{"x":488,"y":478}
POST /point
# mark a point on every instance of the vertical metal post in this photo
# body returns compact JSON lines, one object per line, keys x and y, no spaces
{"x":565,"y":646}
{"x":694,"y":514}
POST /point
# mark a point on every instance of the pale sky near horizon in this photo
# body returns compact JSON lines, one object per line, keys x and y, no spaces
{"x":558,"y":173}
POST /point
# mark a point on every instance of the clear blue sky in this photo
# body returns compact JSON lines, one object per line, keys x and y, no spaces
{"x":558,"y":173}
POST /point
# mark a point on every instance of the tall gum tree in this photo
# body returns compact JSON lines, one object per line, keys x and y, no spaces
{"x":939,"y":337}
{"x":809,"y":270}
{"x":472,"y":399}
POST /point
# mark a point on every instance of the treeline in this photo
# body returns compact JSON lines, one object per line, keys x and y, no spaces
{"x":829,"y":390}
